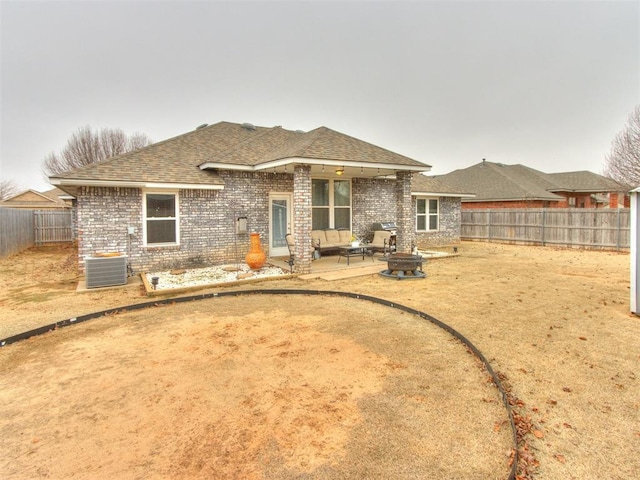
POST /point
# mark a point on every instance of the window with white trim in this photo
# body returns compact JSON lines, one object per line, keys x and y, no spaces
{"x":427,"y":214}
{"x":160,"y":213}
{"x":330,"y":204}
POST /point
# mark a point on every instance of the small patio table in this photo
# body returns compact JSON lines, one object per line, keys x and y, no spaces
{"x":349,"y":251}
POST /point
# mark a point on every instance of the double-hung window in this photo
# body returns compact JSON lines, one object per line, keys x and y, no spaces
{"x":161,"y":218}
{"x":427,"y":214}
{"x":330,"y":203}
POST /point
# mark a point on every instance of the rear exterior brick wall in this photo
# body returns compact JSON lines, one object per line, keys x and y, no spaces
{"x":208,"y":219}
{"x":448,"y":224}
{"x":207,"y":222}
{"x":373,"y":200}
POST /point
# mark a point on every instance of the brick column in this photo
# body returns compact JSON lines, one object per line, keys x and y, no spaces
{"x":405,"y":217}
{"x":302,"y":218}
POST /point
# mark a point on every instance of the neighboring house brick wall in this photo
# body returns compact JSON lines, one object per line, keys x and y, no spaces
{"x":581,"y":201}
{"x":508,"y":204}
{"x":448,"y":224}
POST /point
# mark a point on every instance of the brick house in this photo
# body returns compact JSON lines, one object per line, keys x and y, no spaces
{"x":497,"y":185}
{"x":184,"y":202}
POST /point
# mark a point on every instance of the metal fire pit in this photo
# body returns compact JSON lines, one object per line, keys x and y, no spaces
{"x":403,"y":265}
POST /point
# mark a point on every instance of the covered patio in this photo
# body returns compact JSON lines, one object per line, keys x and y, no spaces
{"x":333,"y":267}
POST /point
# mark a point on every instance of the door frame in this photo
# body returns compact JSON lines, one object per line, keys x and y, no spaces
{"x":288,"y":196}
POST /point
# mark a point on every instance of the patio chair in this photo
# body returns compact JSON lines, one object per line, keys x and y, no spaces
{"x":291,"y":246}
{"x":381,"y":242}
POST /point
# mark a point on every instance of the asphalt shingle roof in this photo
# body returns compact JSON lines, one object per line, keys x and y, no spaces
{"x":495,"y":181}
{"x":431,"y":184}
{"x":177,"y":159}
{"x":585,"y":181}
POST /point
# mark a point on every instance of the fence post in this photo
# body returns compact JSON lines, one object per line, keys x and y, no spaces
{"x":618,"y":229}
{"x":544,"y":219}
{"x":37,"y":221}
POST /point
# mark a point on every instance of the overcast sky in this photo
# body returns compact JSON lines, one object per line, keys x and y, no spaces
{"x":544,"y":84}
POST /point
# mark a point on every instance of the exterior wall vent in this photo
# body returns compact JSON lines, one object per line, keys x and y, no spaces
{"x":105,"y":271}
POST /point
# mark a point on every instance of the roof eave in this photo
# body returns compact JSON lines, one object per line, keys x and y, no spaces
{"x":75,"y":182}
{"x":523,"y":199}
{"x":313,"y":161}
{"x":443,"y":194}
{"x":586,"y":190}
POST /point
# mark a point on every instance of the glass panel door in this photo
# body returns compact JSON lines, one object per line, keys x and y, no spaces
{"x":279,"y":224}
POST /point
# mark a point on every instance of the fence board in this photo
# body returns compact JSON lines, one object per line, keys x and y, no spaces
{"x":583,"y":227}
{"x":53,"y":226}
{"x":16,"y":230}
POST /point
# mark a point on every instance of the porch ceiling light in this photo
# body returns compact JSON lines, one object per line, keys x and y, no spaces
{"x":340,"y":171}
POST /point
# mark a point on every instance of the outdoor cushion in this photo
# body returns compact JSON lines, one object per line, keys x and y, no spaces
{"x":333,"y":237}
{"x":330,"y":239}
{"x":345,"y":236}
{"x":381,"y":241}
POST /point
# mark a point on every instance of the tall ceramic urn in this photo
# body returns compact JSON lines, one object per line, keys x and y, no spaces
{"x":255,"y":257}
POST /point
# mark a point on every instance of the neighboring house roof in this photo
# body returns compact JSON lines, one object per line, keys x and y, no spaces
{"x":192,"y":160}
{"x":585,"y":181}
{"x":499,"y":182}
{"x":58,"y":195}
{"x":32,"y":199}
{"x":423,"y":185}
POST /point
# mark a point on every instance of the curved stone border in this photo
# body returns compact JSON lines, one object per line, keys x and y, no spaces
{"x":425,"y":316}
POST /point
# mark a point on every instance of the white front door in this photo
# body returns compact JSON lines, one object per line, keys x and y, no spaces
{"x":280,"y":223}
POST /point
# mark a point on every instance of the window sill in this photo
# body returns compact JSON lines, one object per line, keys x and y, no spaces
{"x":162,"y":247}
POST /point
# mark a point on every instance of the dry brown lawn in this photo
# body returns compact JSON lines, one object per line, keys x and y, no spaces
{"x":295,"y":386}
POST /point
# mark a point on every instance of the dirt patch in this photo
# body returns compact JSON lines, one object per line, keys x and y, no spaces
{"x":142,"y":390}
{"x":251,"y":387}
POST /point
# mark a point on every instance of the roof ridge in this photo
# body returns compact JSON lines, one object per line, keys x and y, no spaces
{"x":232,"y":149}
{"x":309,"y":139}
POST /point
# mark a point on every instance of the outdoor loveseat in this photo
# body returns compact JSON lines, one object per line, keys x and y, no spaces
{"x":325,"y":240}
{"x":332,"y":239}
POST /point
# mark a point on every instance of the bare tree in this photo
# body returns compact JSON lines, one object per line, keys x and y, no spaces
{"x":8,"y":188}
{"x":86,"y":146}
{"x":623,"y":161}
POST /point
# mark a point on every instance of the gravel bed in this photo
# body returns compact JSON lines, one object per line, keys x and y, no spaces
{"x":170,"y":279}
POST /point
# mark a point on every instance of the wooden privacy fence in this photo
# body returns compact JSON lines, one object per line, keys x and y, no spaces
{"x":21,"y":229}
{"x":16,"y":230}
{"x":52,"y":226}
{"x":605,"y":228}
